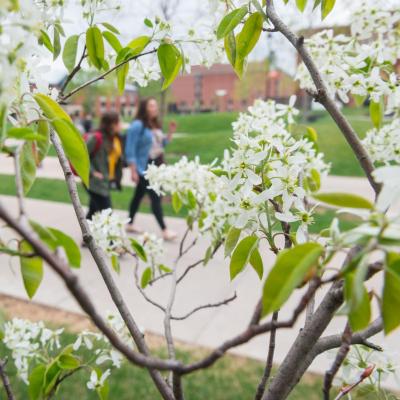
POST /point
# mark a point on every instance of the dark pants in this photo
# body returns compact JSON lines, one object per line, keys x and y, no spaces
{"x":97,"y":203}
{"x":141,"y":190}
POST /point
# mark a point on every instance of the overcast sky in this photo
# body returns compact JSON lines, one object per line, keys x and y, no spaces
{"x":130,"y":22}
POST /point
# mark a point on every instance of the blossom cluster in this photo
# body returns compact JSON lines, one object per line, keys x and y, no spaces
{"x":383,"y":145}
{"x":32,"y":342}
{"x":360,"y":64}
{"x":153,"y":246}
{"x":266,"y":165}
{"x":108,"y":230}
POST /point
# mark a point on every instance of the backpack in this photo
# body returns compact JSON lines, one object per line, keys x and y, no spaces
{"x":99,"y":142}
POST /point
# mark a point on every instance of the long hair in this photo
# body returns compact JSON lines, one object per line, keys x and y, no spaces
{"x":143,"y":116}
{"x":107,"y":120}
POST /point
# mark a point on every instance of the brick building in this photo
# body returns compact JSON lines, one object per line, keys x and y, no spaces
{"x":219,"y":89}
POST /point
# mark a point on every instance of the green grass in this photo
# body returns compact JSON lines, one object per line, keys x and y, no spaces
{"x":56,"y":190}
{"x":231,"y":378}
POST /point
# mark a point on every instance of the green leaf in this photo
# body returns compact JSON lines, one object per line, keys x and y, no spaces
{"x":138,"y":249}
{"x":301,"y":4}
{"x":31,"y":270}
{"x":110,"y":27}
{"x":241,"y":255}
{"x":44,"y":234}
{"x":146,"y":277}
{"x":3,"y":123}
{"x":231,"y":21}
{"x":72,"y":250}
{"x":360,"y":310}
{"x":249,"y":35}
{"x":138,"y":45}
{"x":53,"y":371}
{"x":36,"y":382}
{"x":50,"y":108}
{"x":148,"y":23}
{"x":42,"y":146}
{"x":68,"y":362}
{"x":170,"y":61}
{"x":376,"y":113}
{"x":115,"y":263}
{"x":291,"y":266}
{"x":327,"y":7}
{"x":347,"y":200}
{"x":113,"y":41}
{"x":176,"y":202}
{"x":230,"y":48}
{"x":257,"y":263}
{"x":56,"y":44}
{"x":27,"y":166}
{"x":312,"y":135}
{"x":192,"y":202}
{"x":24,"y":134}
{"x":391,"y":294}
{"x":70,"y":51}
{"x":314,"y":181}
{"x":95,"y":46}
{"x":122,"y":72}
{"x":74,"y":147}
{"x":164,"y":268}
{"x":231,"y":240}
{"x":46,"y":41}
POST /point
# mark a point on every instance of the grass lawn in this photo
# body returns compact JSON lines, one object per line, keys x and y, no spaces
{"x":231,"y":378}
{"x":56,"y":190}
{"x":208,"y":134}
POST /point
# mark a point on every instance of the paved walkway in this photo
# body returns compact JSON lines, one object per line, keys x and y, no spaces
{"x":204,"y":285}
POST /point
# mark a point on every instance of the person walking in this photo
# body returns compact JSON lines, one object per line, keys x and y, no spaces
{"x":105,"y":151}
{"x":144,"y":145}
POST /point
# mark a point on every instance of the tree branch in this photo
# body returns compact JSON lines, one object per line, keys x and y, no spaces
{"x":104,"y":269}
{"x":322,"y":94}
{"x":269,"y":363}
{"x":5,"y":380}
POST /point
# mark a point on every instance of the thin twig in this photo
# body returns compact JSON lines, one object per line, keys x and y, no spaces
{"x":102,"y":76}
{"x":269,"y":363}
{"x":18,"y":181}
{"x":347,"y":389}
{"x":5,"y":380}
{"x":339,"y":359}
{"x":76,"y":69}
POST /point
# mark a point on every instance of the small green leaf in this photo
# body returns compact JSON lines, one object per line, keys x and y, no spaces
{"x":46,"y":41}
{"x":249,"y":35}
{"x":312,"y":135}
{"x":391,"y":294}
{"x":347,"y":200}
{"x":74,"y":147}
{"x":36,"y":382}
{"x":360,"y":310}
{"x":376,"y":113}
{"x":192,"y":202}
{"x":138,"y":45}
{"x":68,"y":362}
{"x":113,"y":41}
{"x":230,"y":48}
{"x":3,"y":123}
{"x":50,"y":108}
{"x":31,"y":269}
{"x":69,"y":245}
{"x":53,"y":371}
{"x":146,"y":277}
{"x":314,"y":181}
{"x":24,"y":134}
{"x":70,"y":51}
{"x":27,"y":166}
{"x":115,"y":263}
{"x":176,"y":202}
{"x":122,"y":72}
{"x":56,"y":44}
{"x":327,"y":7}
{"x":170,"y":61}
{"x":241,"y":255}
{"x":301,"y":4}
{"x":291,"y":266}
{"x":231,"y":240}
{"x":231,"y":21}
{"x":95,"y":46}
{"x":42,"y":146}
{"x":257,"y":263}
{"x":148,"y":23}
{"x":110,"y":27}
{"x":138,"y":249}
{"x":164,"y":269}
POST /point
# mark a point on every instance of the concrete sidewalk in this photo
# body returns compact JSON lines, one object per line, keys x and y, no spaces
{"x":203,"y":285}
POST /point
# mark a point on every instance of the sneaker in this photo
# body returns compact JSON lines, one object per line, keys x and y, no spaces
{"x":169,"y":235}
{"x":130,"y":228}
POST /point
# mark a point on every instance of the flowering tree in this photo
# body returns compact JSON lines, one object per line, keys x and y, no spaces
{"x":260,"y":196}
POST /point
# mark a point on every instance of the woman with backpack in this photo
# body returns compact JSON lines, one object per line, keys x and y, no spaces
{"x":144,"y":145}
{"x":105,"y":152}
